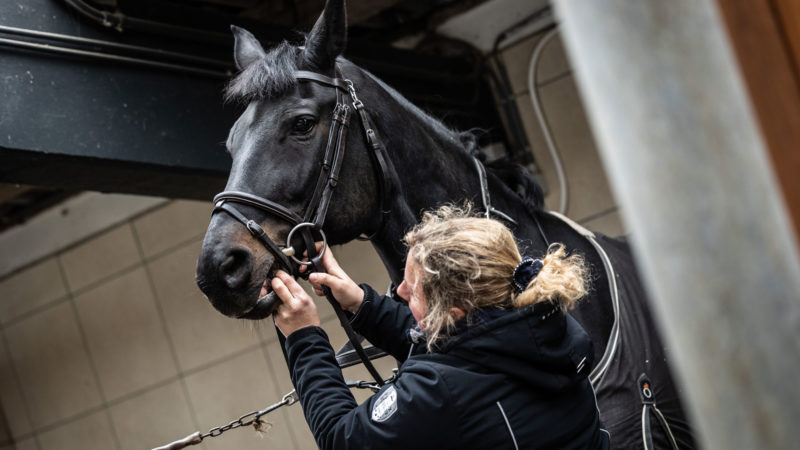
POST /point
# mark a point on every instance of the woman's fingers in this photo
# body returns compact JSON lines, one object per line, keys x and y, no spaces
{"x":331,"y":265}
{"x":291,"y":284}
{"x":297,"y":310}
{"x":282,"y":290}
{"x":318,"y":279}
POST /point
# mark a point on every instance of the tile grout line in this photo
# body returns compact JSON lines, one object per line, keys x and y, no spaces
{"x":94,"y":284}
{"x":552,"y":79}
{"x":145,"y":390}
{"x":161,"y":317}
{"x":25,"y":400}
{"x":131,"y":267}
{"x":85,"y":239}
{"x":598,"y":215}
{"x":148,"y":389}
{"x":264,"y":344}
{"x":35,"y":311}
{"x":85,"y":341}
{"x":525,"y":94}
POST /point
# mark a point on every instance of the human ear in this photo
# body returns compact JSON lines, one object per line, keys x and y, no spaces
{"x":457,"y":313}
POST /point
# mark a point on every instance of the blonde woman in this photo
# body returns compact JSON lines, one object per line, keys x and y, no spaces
{"x":490,"y":359}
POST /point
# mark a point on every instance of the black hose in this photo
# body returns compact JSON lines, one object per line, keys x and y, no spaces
{"x":521,"y":150}
{"x":115,"y":58}
{"x":162,"y":54}
{"x":121,"y":22}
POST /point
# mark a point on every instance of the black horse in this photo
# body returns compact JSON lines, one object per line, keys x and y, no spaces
{"x":288,"y":150}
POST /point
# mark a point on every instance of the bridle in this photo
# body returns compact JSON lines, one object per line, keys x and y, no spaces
{"x":313,"y":217}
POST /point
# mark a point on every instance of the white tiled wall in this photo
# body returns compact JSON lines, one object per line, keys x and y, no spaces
{"x":109,"y":343}
{"x":590,"y":200}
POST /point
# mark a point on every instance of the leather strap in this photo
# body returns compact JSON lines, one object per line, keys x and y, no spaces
{"x":305,"y":75}
{"x":487,"y":203}
{"x":338,"y":158}
{"x":258,"y":202}
{"x":380,"y":157}
{"x":259,"y":233}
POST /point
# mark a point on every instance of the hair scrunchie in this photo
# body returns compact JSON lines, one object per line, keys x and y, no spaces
{"x":526,"y":271}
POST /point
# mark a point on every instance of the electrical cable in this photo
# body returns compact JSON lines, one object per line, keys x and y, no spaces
{"x":533,"y":92}
{"x":111,"y":57}
{"x":121,"y":22}
{"x":519,"y":145}
{"x":113,"y":45}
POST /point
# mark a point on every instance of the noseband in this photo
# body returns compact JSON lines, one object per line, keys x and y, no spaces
{"x":314,"y":215}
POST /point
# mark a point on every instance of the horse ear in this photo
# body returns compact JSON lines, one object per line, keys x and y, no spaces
{"x":327,"y":39}
{"x":246,"y":50}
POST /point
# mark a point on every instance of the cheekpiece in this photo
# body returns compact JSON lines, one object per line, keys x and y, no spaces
{"x":525,"y":271}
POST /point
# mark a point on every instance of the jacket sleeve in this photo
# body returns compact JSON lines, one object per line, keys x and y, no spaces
{"x":411,"y":411}
{"x":384,"y":322}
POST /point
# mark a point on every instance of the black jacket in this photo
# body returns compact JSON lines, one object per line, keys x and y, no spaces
{"x":514,"y":381}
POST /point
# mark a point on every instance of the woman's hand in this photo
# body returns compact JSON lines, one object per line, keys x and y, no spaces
{"x":347,"y":293}
{"x":297,"y":309}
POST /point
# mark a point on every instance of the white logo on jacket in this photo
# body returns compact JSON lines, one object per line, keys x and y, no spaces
{"x":385,"y":405}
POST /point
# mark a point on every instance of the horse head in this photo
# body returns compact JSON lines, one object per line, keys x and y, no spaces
{"x":294,"y":109}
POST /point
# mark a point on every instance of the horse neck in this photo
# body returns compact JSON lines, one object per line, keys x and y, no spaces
{"x":431,"y":167}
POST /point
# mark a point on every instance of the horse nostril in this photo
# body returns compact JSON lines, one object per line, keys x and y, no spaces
{"x":236,"y":267}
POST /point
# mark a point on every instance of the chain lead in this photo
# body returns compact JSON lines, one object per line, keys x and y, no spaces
{"x":252,"y":418}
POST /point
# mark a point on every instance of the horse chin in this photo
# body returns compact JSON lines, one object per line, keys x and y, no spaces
{"x":256,"y":302}
{"x":262,"y":308}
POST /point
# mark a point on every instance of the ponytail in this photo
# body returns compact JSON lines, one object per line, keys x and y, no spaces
{"x":562,"y":280}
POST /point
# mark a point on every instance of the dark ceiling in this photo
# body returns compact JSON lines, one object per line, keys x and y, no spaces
{"x":378,"y":21}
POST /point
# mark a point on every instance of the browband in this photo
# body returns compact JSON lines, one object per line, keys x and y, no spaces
{"x":306,"y":75}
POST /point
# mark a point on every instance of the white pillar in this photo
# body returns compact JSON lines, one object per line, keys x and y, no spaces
{"x":711,"y":235}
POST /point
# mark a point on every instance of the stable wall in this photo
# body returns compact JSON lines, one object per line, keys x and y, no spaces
{"x":590,"y":200}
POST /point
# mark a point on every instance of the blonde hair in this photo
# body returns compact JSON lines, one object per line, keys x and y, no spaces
{"x":468,"y":263}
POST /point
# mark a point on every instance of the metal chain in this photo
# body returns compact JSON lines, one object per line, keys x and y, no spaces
{"x":252,"y":417}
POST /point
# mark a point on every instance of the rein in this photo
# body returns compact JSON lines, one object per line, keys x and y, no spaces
{"x":314,"y":215}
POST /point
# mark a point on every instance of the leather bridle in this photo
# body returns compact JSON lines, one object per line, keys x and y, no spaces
{"x":313,"y":217}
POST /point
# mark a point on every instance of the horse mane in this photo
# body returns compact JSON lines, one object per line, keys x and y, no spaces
{"x":513,"y":176}
{"x":269,"y":77}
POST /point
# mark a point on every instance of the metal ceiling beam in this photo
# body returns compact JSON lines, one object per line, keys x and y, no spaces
{"x":84,"y":120}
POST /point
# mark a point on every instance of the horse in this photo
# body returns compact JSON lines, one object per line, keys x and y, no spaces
{"x":292,"y":181}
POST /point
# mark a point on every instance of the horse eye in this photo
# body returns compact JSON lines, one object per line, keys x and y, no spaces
{"x":303,"y":125}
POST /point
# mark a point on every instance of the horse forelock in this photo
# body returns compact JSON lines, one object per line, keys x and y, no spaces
{"x":269,"y":77}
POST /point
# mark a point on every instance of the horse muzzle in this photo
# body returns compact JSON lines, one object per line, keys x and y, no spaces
{"x":234,"y":275}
